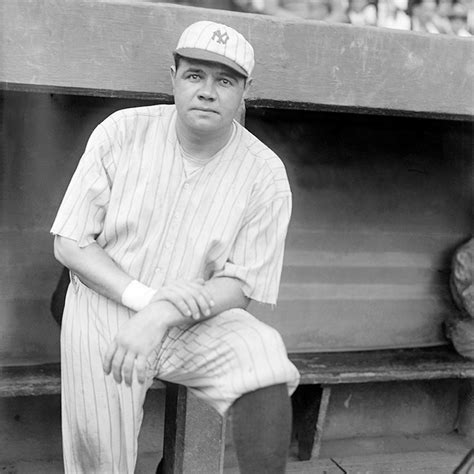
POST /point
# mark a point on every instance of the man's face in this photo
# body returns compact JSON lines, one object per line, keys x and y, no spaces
{"x":207,"y":95}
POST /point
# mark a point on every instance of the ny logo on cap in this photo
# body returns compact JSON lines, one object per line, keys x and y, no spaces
{"x":220,"y":37}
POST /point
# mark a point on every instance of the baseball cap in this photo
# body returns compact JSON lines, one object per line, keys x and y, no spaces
{"x":219,"y":43}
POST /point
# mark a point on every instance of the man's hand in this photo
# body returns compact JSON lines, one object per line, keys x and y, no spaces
{"x":135,"y":341}
{"x":191,"y":298}
{"x":144,"y":332}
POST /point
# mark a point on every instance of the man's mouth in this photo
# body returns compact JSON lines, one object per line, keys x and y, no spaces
{"x":205,"y":110}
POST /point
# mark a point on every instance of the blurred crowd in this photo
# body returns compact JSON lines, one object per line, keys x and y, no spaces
{"x":455,"y":17}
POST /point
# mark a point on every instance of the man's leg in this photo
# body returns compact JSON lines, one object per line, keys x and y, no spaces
{"x":100,"y":418}
{"x":262,"y":430}
{"x":236,"y":360}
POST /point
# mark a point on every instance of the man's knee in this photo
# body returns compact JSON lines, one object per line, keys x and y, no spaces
{"x":253,"y":333}
{"x":259,"y":349}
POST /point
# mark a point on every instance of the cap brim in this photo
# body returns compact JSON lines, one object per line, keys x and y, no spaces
{"x":204,"y":55}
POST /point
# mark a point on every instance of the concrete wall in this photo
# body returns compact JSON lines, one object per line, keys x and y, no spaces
{"x":379,"y":205}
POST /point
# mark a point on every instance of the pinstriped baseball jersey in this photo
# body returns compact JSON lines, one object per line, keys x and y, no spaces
{"x":131,"y":194}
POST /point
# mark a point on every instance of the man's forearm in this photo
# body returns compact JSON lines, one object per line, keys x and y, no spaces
{"x":226,"y":294}
{"x":100,"y":273}
{"x":93,"y":266}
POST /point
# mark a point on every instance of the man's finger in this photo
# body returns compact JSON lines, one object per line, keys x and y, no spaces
{"x":202,"y":290}
{"x":109,"y":355}
{"x":117,"y":364}
{"x":140,"y":367}
{"x":127,"y":368}
{"x":204,"y":305}
{"x":205,"y":299}
{"x":205,"y":292}
{"x":201,"y":298}
{"x":177,"y":299}
{"x":191,"y":292}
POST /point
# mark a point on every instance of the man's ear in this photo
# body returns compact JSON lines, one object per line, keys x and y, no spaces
{"x":248,"y":83}
{"x":173,"y":75}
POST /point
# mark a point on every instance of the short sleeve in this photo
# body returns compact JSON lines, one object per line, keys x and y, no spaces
{"x":257,"y":254}
{"x":82,"y":211}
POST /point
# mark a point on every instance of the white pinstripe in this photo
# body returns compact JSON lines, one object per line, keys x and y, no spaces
{"x":229,"y":218}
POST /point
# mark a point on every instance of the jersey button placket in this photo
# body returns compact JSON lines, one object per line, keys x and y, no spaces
{"x":173,"y":226}
{"x":179,"y":209}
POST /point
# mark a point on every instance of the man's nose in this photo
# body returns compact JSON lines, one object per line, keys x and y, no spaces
{"x":207,"y":90}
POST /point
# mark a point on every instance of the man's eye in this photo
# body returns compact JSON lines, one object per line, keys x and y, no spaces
{"x":194,"y":77}
{"x":226,"y":82}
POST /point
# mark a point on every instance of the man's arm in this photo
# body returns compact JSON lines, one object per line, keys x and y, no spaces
{"x":224,"y":292}
{"x":99,"y":272}
{"x":93,"y":266}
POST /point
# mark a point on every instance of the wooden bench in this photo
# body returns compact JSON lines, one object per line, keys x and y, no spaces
{"x":327,"y":369}
{"x":194,"y":437}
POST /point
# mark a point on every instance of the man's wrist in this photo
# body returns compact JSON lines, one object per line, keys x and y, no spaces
{"x":137,"y":296}
{"x":167,"y":314}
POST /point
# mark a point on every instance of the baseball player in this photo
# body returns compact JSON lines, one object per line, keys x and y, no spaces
{"x":174,"y":220}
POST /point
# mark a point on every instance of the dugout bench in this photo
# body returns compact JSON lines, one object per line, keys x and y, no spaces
{"x":194,"y":438}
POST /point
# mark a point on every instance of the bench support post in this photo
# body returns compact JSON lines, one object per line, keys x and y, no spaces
{"x":194,"y":436}
{"x":310,"y":404}
{"x":323,"y":409}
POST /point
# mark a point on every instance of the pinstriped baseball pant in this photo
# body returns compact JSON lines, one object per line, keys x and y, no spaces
{"x":219,"y":360}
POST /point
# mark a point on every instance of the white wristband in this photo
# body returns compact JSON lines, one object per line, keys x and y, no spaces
{"x":137,"y":295}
